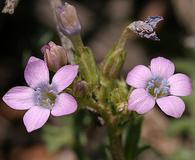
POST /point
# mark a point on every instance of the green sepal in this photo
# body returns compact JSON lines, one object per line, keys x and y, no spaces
{"x":113,"y":62}
{"x":87,"y":65}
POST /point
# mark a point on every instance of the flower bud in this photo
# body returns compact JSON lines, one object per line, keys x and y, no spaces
{"x":80,"y":89}
{"x":68,"y":21}
{"x":122,"y":107}
{"x":145,"y":29}
{"x":54,"y":55}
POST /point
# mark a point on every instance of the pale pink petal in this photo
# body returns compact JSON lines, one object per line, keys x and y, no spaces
{"x":20,"y":97}
{"x":172,"y":106}
{"x":140,"y":101}
{"x":36,"y":73}
{"x":33,"y":59}
{"x":162,"y":67}
{"x":35,"y":118}
{"x":65,"y":104}
{"x":139,"y":76}
{"x":64,"y":77}
{"x":180,"y":85}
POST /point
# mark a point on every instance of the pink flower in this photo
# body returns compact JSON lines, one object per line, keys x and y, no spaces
{"x":41,"y":97}
{"x":158,"y":84}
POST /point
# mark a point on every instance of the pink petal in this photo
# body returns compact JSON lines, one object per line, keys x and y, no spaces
{"x":180,"y":85}
{"x":139,"y":76}
{"x":162,"y":67}
{"x":140,"y":101}
{"x":65,"y":104}
{"x":172,"y":106}
{"x":35,"y":118}
{"x":64,"y":77}
{"x":33,"y":59}
{"x":36,"y":73}
{"x":20,"y":97}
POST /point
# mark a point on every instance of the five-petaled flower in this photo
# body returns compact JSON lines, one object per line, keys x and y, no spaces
{"x":41,"y":97}
{"x":158,"y":83}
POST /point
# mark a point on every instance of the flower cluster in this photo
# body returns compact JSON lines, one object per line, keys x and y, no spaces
{"x":97,"y":87}
{"x":154,"y":84}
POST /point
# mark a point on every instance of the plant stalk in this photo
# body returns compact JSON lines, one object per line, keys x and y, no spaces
{"x":114,"y":60}
{"x":116,"y":148}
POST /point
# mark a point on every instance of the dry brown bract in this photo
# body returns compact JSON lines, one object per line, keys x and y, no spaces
{"x":10,"y":6}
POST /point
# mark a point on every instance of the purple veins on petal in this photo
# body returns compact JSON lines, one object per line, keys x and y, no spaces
{"x":162,"y":67}
{"x":139,"y":76}
{"x":172,"y":106}
{"x":36,"y":73}
{"x":180,"y":85}
{"x":20,"y":97}
{"x":35,"y":118}
{"x":65,"y":104}
{"x":140,"y":101}
{"x":64,"y":77}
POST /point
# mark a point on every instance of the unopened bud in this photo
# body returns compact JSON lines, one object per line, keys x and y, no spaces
{"x":122,"y":107}
{"x":54,"y":55}
{"x":80,"y":89}
{"x":145,"y":29}
{"x":68,"y":20}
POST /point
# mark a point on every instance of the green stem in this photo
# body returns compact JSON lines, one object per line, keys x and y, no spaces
{"x":111,"y":66}
{"x":77,"y":43}
{"x":123,"y":38}
{"x":116,"y":147}
{"x":114,"y":60}
{"x":114,"y":133}
{"x":85,"y":58}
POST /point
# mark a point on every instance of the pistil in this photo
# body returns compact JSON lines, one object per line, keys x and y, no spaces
{"x":158,"y":87}
{"x":45,"y":97}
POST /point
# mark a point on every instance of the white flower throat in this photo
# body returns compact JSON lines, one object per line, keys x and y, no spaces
{"x":158,"y":87}
{"x":45,"y":96}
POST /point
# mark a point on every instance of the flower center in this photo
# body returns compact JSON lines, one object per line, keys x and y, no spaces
{"x":158,"y":87}
{"x":45,"y":97}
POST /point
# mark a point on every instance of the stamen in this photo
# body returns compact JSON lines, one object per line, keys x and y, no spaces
{"x":158,"y":87}
{"x":45,"y":97}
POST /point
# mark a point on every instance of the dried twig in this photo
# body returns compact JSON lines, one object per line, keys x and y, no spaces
{"x":10,"y":6}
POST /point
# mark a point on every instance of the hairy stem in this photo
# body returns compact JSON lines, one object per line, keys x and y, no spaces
{"x":114,"y":60}
{"x":116,"y":147}
{"x":91,"y":74}
{"x":85,"y":58}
